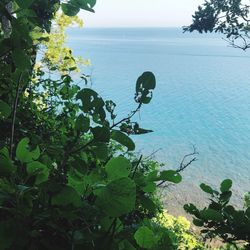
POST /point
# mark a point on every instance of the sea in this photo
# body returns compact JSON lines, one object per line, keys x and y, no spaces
{"x":202,"y":100}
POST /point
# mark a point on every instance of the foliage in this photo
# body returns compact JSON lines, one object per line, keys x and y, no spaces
{"x":69,"y":178}
{"x":54,"y":53}
{"x":230,"y":17}
{"x":220,"y":218}
{"x":179,"y":231}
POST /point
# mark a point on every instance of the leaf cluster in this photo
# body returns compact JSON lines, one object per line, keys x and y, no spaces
{"x":220,"y":218}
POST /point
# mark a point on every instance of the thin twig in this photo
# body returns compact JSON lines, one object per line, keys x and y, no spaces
{"x":136,"y":167}
{"x":127,"y":118}
{"x":183,"y":165}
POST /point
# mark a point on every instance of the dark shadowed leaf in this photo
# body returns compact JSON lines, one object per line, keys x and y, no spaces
{"x":101,"y":134}
{"x":66,"y":196}
{"x":6,"y":165}
{"x":123,"y":139}
{"x":5,"y":110}
{"x":21,"y":60}
{"x":82,"y":123}
{"x":211,"y":214}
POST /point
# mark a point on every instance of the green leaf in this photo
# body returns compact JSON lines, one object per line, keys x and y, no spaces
{"x":5,"y":110}
{"x":92,"y":103}
{"x":206,"y":188}
{"x":82,"y":123}
{"x":144,"y":84}
{"x":66,"y":196}
{"x":21,"y":60}
{"x":171,"y":176}
{"x":211,"y":214}
{"x":101,"y":134}
{"x":118,"y":167}
{"x":145,"y":237}
{"x":40,"y":170}
{"x":76,"y":180}
{"x":191,"y":209}
{"x":70,"y":9}
{"x":118,"y":197}
{"x":226,"y":185}
{"x":150,"y":187}
{"x":24,"y":4}
{"x":23,"y":153}
{"x":6,"y":165}
{"x":146,"y":80}
{"x":123,"y":139}
{"x":198,"y":223}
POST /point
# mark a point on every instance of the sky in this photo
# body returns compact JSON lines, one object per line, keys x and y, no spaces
{"x":141,"y":13}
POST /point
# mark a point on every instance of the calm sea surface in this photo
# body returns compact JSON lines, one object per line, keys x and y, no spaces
{"x":202,"y":96}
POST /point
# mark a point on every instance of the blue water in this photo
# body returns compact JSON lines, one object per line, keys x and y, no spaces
{"x":202,"y":96}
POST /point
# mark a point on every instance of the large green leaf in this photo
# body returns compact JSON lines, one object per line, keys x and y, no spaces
{"x":226,"y":185}
{"x":5,"y":110}
{"x":123,"y":139}
{"x":40,"y":170}
{"x":118,"y":197}
{"x":171,"y":176}
{"x":118,"y":167}
{"x":66,"y":196}
{"x":145,"y":237}
{"x":24,"y":154}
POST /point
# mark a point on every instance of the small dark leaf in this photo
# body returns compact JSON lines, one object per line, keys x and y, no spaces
{"x":206,"y":188}
{"x":70,"y":9}
{"x":226,"y":185}
{"x":171,"y":176}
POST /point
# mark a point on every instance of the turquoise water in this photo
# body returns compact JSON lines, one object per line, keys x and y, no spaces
{"x":202,"y":96}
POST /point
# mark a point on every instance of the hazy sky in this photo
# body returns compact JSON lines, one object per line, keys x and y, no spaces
{"x":141,"y":13}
